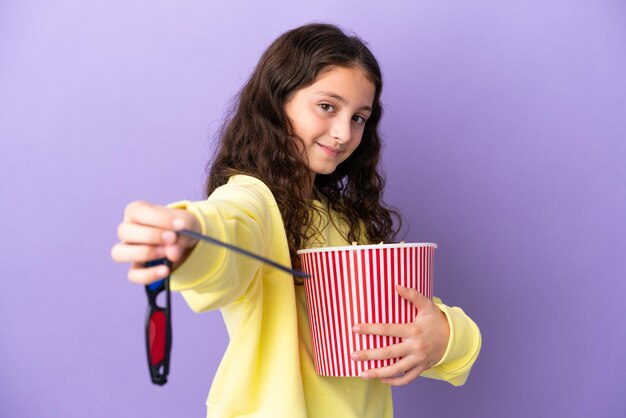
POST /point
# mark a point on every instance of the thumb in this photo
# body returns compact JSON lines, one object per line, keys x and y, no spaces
{"x":178,"y":245}
{"x":416,"y":298}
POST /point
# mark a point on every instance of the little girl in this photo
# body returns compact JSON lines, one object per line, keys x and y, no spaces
{"x":296,"y":167}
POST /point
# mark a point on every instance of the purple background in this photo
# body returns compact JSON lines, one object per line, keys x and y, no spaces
{"x":505,"y":133}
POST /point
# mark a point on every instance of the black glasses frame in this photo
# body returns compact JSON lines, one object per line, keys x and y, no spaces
{"x":159,"y":371}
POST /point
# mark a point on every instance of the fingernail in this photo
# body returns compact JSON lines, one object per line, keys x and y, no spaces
{"x":353,"y":355}
{"x":178,"y":223}
{"x":169,"y":236}
{"x":356,"y":328}
{"x":365,"y":375}
{"x":162,"y":271}
{"x":174,"y":253}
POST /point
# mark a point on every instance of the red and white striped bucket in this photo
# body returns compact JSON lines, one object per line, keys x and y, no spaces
{"x":355,"y":285}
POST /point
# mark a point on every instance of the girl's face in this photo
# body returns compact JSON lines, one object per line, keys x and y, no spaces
{"x":329,"y":116}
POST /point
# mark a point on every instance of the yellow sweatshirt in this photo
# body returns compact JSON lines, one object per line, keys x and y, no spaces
{"x":267,"y":369}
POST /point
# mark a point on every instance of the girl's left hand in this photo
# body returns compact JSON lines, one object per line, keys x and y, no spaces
{"x":424,"y":342}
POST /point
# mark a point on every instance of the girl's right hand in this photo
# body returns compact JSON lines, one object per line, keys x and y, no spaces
{"x":148,"y":233}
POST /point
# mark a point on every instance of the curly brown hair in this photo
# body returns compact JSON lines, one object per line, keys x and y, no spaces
{"x":255,"y":139}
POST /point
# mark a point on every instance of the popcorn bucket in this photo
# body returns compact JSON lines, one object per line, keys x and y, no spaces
{"x":357,"y":284}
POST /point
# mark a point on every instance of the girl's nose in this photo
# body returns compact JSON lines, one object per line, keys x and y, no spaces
{"x":340,"y":129}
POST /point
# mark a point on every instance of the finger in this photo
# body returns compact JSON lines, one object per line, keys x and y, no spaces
{"x":392,"y":370}
{"x":160,"y":217}
{"x":146,"y":275}
{"x":416,"y":298}
{"x":405,"y":378}
{"x":146,"y":213}
{"x":132,"y":233}
{"x":124,"y":253}
{"x":391,"y":330}
{"x":175,"y":252}
{"x":391,"y":351}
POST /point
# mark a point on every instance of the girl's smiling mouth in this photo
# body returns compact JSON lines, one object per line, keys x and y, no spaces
{"x":329,"y":150}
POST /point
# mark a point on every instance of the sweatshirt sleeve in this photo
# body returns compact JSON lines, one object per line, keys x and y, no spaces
{"x":212,"y":277}
{"x":463,"y":347}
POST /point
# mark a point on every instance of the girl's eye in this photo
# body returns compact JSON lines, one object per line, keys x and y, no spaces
{"x":359,"y":119}
{"x":327,"y":107}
